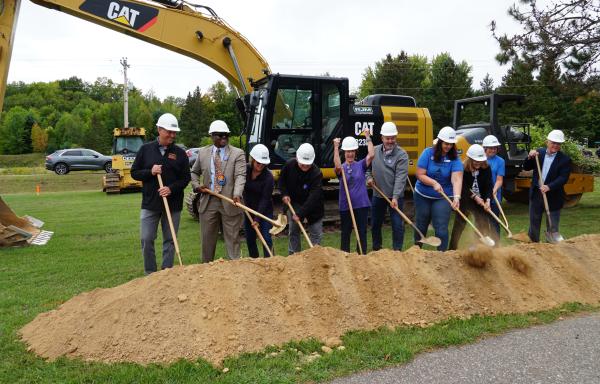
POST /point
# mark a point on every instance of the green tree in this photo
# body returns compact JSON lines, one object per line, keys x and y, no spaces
{"x":13,"y":131}
{"x":224,"y":99}
{"x":399,"y":75}
{"x":449,"y":81}
{"x":39,"y":139}
{"x":196,"y":116}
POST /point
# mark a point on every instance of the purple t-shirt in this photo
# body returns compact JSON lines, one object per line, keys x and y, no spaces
{"x":357,"y":185}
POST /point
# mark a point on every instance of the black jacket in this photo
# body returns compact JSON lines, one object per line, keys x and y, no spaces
{"x":258,"y":193}
{"x":304,"y":189}
{"x":175,"y":175}
{"x":484,"y":181}
{"x":557,"y":177}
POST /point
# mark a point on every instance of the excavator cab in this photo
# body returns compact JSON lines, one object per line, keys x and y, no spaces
{"x":286,"y":111}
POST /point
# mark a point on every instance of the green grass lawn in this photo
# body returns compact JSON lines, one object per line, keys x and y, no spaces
{"x":96,"y":244}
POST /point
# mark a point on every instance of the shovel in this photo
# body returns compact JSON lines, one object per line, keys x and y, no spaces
{"x":432,"y":240}
{"x":551,"y":237}
{"x":310,"y":244}
{"x":170,"y":220}
{"x":278,"y":225}
{"x":484,"y":239}
{"x":360,"y":248}
{"x":259,"y":234}
{"x":521,"y":236}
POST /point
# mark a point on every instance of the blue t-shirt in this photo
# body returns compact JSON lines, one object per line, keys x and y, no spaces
{"x":440,"y":172}
{"x":497,"y":166}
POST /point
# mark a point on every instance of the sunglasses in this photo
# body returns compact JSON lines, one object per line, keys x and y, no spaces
{"x":221,"y":135}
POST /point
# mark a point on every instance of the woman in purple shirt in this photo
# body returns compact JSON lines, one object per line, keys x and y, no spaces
{"x":356,"y":179}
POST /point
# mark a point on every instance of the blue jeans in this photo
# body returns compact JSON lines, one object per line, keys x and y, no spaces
{"x":251,"y":237}
{"x":434,"y":211}
{"x":378,"y":208}
{"x":361,"y":215}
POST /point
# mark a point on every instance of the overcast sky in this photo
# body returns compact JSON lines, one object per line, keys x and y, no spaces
{"x":296,"y":37}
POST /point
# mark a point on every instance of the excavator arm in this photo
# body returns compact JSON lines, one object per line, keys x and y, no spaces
{"x":192,"y":30}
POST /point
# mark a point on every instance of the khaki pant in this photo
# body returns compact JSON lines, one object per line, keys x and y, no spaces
{"x":210,"y":223}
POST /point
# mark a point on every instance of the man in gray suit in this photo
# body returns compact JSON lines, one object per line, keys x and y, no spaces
{"x":223,"y":168}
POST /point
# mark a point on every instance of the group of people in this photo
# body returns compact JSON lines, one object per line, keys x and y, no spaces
{"x":444,"y":183}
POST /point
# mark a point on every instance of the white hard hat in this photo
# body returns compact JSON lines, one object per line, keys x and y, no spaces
{"x":305,"y":154}
{"x":388,"y":129}
{"x":557,"y":136}
{"x":447,"y":135}
{"x":218,"y":126}
{"x":349,"y":144}
{"x":476,"y":152}
{"x":168,"y":121}
{"x":260,"y":153}
{"x":490,"y":141}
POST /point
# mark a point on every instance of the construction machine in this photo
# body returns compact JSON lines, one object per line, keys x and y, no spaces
{"x":477,"y":117}
{"x":280,"y":111}
{"x":126,"y":143}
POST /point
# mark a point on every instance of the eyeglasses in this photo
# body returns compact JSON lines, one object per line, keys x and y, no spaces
{"x":221,"y":134}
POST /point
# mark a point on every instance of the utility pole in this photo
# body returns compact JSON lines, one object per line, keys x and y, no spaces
{"x":125,"y":94}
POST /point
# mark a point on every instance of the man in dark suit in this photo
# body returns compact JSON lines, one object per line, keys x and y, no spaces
{"x":556,"y":168}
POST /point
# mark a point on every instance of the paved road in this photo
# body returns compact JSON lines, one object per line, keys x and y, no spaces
{"x":563,"y":352}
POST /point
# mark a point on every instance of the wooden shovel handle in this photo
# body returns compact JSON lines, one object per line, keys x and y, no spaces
{"x":171,"y":226}
{"x":259,"y":234}
{"x":300,"y":225}
{"x":242,"y":206}
{"x":375,"y":187}
{"x":541,"y":182}
{"x":360,"y":248}
{"x":462,"y":215}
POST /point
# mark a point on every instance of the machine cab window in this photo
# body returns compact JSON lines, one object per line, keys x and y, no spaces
{"x":292,"y":122}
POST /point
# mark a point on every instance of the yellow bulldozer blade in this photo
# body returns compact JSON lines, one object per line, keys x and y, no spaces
{"x":19,"y":231}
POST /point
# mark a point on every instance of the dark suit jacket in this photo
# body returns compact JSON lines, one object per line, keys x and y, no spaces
{"x":557,"y":177}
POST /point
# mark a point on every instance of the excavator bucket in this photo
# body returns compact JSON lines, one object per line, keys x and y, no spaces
{"x":19,"y":231}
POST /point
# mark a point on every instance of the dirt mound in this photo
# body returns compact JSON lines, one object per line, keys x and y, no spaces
{"x":220,"y":309}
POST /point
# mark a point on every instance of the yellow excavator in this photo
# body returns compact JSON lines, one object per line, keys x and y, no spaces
{"x":280,"y":111}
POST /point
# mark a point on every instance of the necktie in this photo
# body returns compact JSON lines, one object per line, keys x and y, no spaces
{"x":218,"y":172}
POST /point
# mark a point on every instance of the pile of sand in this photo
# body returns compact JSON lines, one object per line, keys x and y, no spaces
{"x":224,"y":308}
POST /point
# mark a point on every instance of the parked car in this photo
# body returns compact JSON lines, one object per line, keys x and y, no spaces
{"x":192,"y":154}
{"x":76,"y":159}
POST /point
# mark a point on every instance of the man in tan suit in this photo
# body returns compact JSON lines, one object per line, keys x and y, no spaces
{"x":224,"y":169}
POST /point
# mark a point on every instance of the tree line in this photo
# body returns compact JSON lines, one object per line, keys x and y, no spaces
{"x":43,"y":117}
{"x":553,"y":95}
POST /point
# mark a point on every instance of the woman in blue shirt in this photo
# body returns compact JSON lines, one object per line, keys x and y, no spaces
{"x":497,"y":165}
{"x":438,"y":169}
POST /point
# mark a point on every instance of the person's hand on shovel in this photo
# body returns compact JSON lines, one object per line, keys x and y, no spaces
{"x":533,"y":153}
{"x":544,"y":188}
{"x":236,"y":200}
{"x":394,"y":203}
{"x":164,"y":191}
{"x":156,"y":169}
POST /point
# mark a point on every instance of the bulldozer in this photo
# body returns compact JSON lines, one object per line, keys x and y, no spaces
{"x":477,"y":117}
{"x":126,"y":143}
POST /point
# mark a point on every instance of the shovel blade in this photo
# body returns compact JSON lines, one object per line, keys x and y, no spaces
{"x":487,"y":241}
{"x":282,"y":220}
{"x":431,"y":240}
{"x":554,"y":237}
